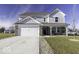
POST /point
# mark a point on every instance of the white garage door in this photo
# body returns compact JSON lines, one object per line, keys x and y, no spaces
{"x":30,"y":32}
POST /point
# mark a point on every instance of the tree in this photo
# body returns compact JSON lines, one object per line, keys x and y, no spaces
{"x":2,"y":30}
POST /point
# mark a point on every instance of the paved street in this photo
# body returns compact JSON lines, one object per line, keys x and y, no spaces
{"x":19,"y":44}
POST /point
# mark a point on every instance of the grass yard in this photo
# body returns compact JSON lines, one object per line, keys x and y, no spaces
{"x":6,"y":35}
{"x":62,"y":44}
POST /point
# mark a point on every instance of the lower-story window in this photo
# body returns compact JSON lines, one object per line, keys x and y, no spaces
{"x":59,"y":30}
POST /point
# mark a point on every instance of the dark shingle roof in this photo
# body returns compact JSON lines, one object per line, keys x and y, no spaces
{"x":34,"y":14}
{"x":41,"y":14}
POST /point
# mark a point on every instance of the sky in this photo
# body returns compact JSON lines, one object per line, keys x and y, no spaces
{"x":9,"y":13}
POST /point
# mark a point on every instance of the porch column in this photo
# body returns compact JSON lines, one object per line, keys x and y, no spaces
{"x":40,"y":30}
{"x":51,"y":30}
{"x":66,"y":31}
{"x":56,"y":29}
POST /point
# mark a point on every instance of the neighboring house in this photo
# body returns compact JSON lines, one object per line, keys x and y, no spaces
{"x":11,"y":29}
{"x":41,"y":23}
{"x":7,"y":31}
{"x":71,"y":32}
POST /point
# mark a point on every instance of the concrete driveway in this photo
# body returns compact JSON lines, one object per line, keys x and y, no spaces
{"x":19,"y":45}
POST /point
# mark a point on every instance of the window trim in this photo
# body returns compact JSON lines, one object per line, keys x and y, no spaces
{"x":56,"y":19}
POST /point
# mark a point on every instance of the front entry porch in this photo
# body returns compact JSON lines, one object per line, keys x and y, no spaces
{"x":49,"y":30}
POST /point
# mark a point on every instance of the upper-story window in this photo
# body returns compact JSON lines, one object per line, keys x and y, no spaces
{"x":44,"y":19}
{"x":56,"y":19}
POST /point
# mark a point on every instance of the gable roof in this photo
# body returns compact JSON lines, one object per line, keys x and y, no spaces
{"x":32,"y":14}
{"x":27,"y":19}
{"x":33,"y":21}
{"x":56,"y":11}
{"x":40,"y":14}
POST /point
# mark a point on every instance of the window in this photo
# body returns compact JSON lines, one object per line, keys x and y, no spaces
{"x":56,"y":19}
{"x":44,"y":19}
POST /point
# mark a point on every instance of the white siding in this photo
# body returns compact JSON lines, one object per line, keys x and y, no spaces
{"x":40,"y":19}
{"x":47,"y":19}
{"x":51,"y":20}
{"x":60,"y":15}
{"x":61,"y":18}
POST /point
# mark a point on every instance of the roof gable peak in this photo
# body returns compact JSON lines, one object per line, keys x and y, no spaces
{"x":56,"y":11}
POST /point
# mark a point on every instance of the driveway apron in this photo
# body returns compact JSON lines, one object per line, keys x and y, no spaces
{"x":19,"y":45}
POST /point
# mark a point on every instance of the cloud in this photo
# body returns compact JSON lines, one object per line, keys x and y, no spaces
{"x":6,"y":24}
{"x":7,"y":21}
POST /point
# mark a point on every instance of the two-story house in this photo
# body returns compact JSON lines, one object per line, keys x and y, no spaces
{"x":41,"y":23}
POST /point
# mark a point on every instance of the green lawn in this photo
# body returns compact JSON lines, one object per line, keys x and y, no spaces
{"x":62,"y":44}
{"x":6,"y":35}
